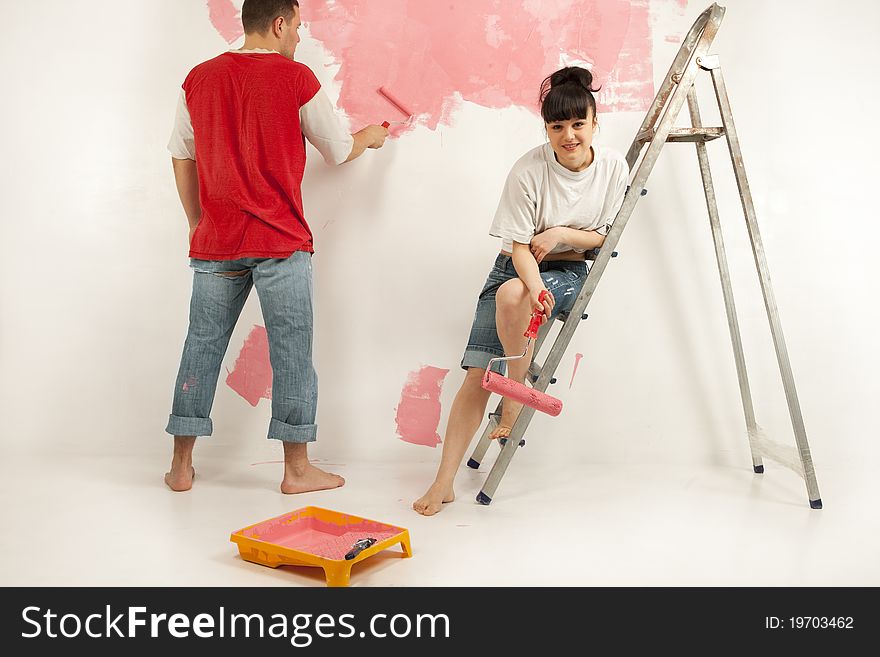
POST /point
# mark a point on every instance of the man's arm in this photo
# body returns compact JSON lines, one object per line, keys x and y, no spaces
{"x":323,"y":129}
{"x":373,"y":136}
{"x":187,"y":178}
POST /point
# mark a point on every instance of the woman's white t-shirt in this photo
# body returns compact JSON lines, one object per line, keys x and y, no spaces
{"x":540,"y":193}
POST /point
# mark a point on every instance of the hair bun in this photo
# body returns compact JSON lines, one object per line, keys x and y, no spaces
{"x":573,"y":75}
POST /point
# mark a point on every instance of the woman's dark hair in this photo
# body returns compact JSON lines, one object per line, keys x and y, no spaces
{"x":568,"y":94}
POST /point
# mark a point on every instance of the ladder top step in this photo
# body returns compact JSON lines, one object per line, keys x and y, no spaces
{"x":684,"y":134}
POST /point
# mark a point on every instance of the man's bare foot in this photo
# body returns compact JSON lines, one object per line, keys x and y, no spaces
{"x":432,"y":501}
{"x":179,"y":479}
{"x":307,"y":478}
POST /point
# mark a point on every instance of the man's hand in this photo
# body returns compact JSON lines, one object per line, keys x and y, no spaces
{"x":192,"y":231}
{"x":543,"y":243}
{"x":186,"y":176}
{"x":376,"y":135}
{"x":373,"y":136}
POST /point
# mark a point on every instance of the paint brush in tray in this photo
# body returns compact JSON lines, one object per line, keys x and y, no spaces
{"x":394,"y":101}
{"x":358,"y":547}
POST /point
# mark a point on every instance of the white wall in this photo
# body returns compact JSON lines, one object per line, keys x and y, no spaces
{"x":95,"y":281}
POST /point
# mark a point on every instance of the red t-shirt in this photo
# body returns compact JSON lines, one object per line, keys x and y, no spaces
{"x":250,"y":155}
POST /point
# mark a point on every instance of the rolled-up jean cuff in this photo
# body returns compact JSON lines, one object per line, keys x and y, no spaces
{"x":189,"y":426}
{"x":298,"y":433}
{"x":480,"y":359}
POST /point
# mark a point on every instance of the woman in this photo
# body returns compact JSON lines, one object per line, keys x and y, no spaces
{"x":559,"y":202}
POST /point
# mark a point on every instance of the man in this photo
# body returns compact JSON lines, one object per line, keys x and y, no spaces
{"x":238,"y":152}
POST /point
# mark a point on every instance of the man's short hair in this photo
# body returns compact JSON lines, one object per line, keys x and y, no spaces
{"x":257,"y":15}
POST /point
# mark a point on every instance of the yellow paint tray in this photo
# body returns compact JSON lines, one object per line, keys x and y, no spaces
{"x":313,"y":536}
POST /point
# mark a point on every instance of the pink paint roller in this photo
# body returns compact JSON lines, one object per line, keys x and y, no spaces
{"x":494,"y":382}
{"x":393,"y":100}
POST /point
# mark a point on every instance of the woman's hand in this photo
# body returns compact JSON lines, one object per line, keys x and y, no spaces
{"x":545,"y":306}
{"x":543,"y":243}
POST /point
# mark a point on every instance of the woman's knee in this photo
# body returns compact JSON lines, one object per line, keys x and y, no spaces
{"x":473,"y":382}
{"x":511,"y":295}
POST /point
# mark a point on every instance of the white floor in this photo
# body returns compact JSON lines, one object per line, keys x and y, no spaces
{"x":72,"y":518}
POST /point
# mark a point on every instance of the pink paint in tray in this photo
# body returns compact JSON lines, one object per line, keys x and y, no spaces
{"x":313,"y":536}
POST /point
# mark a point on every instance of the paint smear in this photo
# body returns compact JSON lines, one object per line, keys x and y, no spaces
{"x":577,"y":361}
{"x":226,"y":18}
{"x":252,"y":375}
{"x":418,"y":412}
{"x":487,"y":52}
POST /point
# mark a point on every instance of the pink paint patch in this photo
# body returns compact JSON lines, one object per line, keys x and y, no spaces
{"x":226,"y":18}
{"x":418,"y":412}
{"x":577,"y":361}
{"x":252,"y":375}
{"x":488,"y":52}
{"x":314,"y":536}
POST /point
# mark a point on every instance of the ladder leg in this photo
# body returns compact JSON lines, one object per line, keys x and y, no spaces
{"x":794,"y":408}
{"x":724,"y":272}
{"x":500,"y":466}
{"x":484,"y":442}
{"x":525,"y":416}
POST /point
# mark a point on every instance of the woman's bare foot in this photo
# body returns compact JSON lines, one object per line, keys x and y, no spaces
{"x":501,"y":431}
{"x":509,"y":412}
{"x":432,"y":501}
{"x":308,"y":478}
{"x":180,"y":479}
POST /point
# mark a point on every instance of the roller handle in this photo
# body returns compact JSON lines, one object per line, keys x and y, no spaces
{"x":535,"y":322}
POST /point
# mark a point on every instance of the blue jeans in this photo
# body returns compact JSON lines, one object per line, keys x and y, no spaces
{"x":285,"y":290}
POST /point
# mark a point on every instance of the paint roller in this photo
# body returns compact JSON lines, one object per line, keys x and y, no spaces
{"x":519,"y":392}
{"x":393,"y":100}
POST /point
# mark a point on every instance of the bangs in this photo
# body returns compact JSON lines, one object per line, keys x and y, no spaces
{"x":565,"y":102}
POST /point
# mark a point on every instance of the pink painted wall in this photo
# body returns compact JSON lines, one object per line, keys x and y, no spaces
{"x":491,"y":52}
{"x":432,"y":56}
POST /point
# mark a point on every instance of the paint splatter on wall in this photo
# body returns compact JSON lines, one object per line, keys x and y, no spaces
{"x":251,"y":377}
{"x":577,"y":361}
{"x":226,"y":18}
{"x":418,"y":412}
{"x":432,"y":56}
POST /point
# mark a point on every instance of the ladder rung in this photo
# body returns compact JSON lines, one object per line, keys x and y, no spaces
{"x":535,"y":372}
{"x":683,"y":134}
{"x":593,"y":253}
{"x":645,"y":136}
{"x":695,"y":134}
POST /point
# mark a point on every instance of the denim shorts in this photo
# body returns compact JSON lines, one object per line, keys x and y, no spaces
{"x":564,"y":279}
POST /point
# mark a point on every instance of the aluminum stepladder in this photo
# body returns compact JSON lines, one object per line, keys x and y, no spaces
{"x":693,"y":58}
